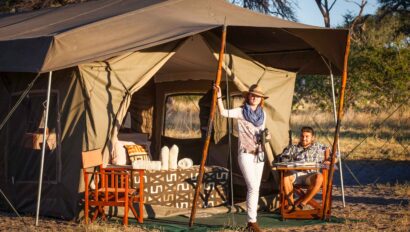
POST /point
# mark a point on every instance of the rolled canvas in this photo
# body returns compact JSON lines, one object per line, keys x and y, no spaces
{"x":173,"y":157}
{"x":164,"y":157}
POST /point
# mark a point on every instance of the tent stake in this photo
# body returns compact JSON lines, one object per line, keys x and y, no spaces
{"x":328,"y":202}
{"x":209,"y":129}
{"x":338,"y":144}
{"x":43,"y":149}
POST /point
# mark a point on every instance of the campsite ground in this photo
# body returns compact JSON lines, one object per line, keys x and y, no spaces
{"x":371,"y":207}
{"x":376,"y":178}
{"x":380,"y":207}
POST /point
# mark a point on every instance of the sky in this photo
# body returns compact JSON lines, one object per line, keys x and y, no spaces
{"x":307,"y":11}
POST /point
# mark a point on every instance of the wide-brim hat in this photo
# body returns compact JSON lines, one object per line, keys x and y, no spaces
{"x":255,"y":90}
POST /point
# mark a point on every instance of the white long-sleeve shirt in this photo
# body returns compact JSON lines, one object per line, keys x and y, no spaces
{"x":247,"y":132}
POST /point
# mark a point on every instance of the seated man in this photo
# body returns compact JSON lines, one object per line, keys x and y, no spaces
{"x":306,"y":150}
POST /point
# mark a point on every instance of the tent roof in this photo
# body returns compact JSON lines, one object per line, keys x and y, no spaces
{"x":56,"y":38}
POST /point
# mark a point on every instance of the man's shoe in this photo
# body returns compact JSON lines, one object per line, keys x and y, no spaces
{"x":300,"y":206}
{"x":290,"y":207}
{"x":253,"y":227}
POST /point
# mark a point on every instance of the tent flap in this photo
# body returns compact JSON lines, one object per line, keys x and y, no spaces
{"x":277,"y":84}
{"x":110,"y":84}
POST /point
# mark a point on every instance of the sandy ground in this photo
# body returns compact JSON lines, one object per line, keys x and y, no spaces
{"x":368,"y":208}
{"x":377,"y":195}
{"x":380,"y":203}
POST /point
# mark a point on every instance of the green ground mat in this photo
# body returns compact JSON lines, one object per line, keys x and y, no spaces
{"x":234,"y":221}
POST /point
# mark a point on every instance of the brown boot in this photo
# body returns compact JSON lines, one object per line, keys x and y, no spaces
{"x":253,"y":227}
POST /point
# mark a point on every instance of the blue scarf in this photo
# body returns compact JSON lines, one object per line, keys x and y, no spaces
{"x":255,"y":117}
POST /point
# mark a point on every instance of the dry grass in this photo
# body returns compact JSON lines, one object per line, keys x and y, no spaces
{"x":372,"y":208}
{"x":182,"y":117}
{"x":401,"y":190}
{"x":381,"y":207}
{"x":8,"y":222}
{"x":110,"y":227}
{"x":363,"y":135}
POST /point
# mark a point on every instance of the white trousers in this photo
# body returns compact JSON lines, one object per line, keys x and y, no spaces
{"x":252,"y":172}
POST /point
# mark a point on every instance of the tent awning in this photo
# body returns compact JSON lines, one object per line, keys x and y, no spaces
{"x":53,"y":39}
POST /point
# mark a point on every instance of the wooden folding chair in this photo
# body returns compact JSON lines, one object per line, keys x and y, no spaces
{"x":110,"y":188}
{"x":300,"y":191}
{"x":317,"y":207}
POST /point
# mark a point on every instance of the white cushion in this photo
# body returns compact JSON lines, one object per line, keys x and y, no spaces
{"x":120,"y":156}
{"x":185,"y":163}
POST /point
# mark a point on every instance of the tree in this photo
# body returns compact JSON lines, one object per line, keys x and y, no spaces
{"x":378,"y":77}
{"x":379,"y":60}
{"x":27,"y":5}
{"x":325,"y":7}
{"x":379,"y":69}
{"x":281,"y":8}
{"x":400,"y":8}
{"x":315,"y":89}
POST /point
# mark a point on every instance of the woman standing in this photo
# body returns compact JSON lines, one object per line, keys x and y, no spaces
{"x":251,"y":124}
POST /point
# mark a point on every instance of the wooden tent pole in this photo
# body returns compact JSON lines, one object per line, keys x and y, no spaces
{"x":209,"y":129}
{"x":328,"y":201}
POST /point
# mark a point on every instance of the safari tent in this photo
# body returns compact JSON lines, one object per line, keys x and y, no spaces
{"x":107,"y":58}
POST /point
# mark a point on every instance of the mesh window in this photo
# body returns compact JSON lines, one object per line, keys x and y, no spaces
{"x":25,"y":130}
{"x":182,"y":116}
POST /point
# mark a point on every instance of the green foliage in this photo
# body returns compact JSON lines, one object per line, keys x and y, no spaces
{"x":378,"y":77}
{"x":379,"y":72}
{"x":314,"y":90}
{"x":385,"y":32}
{"x":398,"y":8}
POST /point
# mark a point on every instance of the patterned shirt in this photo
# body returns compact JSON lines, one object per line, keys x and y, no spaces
{"x":313,"y":153}
{"x":248,"y":134}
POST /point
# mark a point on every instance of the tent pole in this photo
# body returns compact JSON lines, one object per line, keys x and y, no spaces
{"x":338,"y":144}
{"x":229,"y":163}
{"x":328,"y":202}
{"x":208,"y":132}
{"x":43,"y":149}
{"x":228,"y":101}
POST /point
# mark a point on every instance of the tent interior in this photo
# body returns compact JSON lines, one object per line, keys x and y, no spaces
{"x":166,"y":90}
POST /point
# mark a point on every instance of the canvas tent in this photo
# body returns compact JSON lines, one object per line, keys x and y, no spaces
{"x":111,"y":56}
